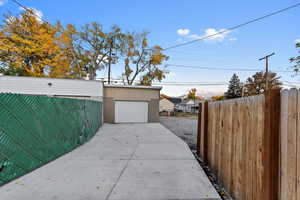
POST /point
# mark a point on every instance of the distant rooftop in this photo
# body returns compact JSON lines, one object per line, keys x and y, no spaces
{"x":174,"y":100}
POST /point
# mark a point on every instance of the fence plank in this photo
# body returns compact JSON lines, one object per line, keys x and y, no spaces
{"x":213,"y":135}
{"x":258,"y":183}
{"x":210,"y":133}
{"x":283,"y":145}
{"x":271,"y":144}
{"x":222,"y":141}
{"x":298,"y":148}
{"x":217,"y":139}
{"x":237,"y":168}
{"x":291,"y":146}
{"x":248,"y":169}
{"x":199,"y":130}
{"x":205,"y":131}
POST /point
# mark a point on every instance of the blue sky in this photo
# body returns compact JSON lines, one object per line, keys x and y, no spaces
{"x":239,"y":49}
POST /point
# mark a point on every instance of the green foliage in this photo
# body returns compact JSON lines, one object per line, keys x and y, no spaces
{"x":218,"y":98}
{"x":256,"y":84}
{"x":192,"y":94}
{"x":142,"y":60}
{"x":235,"y":88}
{"x":296,"y":60}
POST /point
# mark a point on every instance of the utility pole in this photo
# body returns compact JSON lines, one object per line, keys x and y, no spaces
{"x":267,"y":68}
{"x":109,"y":61}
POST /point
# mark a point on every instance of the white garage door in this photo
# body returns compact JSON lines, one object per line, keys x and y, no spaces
{"x":131,"y":112}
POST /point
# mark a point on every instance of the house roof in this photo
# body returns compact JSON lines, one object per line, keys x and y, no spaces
{"x":174,"y":100}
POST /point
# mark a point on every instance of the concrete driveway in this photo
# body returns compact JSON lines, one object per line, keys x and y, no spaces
{"x":123,"y":161}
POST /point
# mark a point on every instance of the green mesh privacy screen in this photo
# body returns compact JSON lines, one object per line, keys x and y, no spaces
{"x":37,"y":129}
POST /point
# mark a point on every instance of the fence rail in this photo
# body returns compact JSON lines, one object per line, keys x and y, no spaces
{"x":37,"y":129}
{"x":239,"y":140}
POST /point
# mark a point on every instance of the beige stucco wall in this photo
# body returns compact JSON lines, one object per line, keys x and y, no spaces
{"x":112,"y":94}
{"x":136,"y":94}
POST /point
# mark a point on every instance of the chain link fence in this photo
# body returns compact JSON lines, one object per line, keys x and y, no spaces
{"x":35,"y":130}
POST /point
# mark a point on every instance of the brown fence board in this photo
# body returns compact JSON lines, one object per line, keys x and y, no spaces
{"x":259,"y":169}
{"x":283,"y":144}
{"x":291,"y":146}
{"x":298,"y":148}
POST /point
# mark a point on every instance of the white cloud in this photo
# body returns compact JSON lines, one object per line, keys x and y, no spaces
{"x":297,"y":41}
{"x":183,"y":31}
{"x":213,"y":33}
{"x":39,"y":14}
{"x":2,"y":2}
{"x":171,"y":74}
{"x":233,"y":39}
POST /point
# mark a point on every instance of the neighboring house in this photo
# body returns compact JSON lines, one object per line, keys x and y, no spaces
{"x":189,"y":106}
{"x":169,"y":104}
{"x":165,"y":105}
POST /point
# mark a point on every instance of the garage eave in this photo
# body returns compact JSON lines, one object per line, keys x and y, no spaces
{"x":133,"y":87}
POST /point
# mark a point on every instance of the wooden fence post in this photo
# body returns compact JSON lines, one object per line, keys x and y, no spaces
{"x":199,"y":130}
{"x":205,"y":132}
{"x":271,"y":143}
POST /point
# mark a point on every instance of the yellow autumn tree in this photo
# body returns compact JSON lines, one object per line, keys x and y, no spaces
{"x":141,"y":60}
{"x":32,"y":47}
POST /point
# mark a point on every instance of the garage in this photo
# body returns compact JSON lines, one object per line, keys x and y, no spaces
{"x":131,"y":112}
{"x":131,"y":104}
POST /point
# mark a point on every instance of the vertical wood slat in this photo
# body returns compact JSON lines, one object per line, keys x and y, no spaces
{"x":248,"y":135}
{"x":244,"y":145}
{"x":202,"y":131}
{"x":292,"y":144}
{"x":199,"y":130}
{"x":283,"y":145}
{"x":237,"y":151}
{"x":271,"y":144}
{"x":259,"y":170}
{"x":223,"y":145}
{"x":213,"y":135}
{"x":217,"y":142}
{"x":209,"y":133}
{"x":228,"y":162}
{"x":298,"y":148}
{"x":205,"y":131}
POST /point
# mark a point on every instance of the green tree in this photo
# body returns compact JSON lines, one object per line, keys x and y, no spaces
{"x":296,"y":59}
{"x":192,"y":95}
{"x":96,"y":47}
{"x":142,"y":61}
{"x":235,"y":88}
{"x":256,"y":84}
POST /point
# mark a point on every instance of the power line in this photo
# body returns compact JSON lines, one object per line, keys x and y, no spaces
{"x":233,"y":27}
{"x":223,"y":68}
{"x":29,"y":10}
{"x":190,"y":84}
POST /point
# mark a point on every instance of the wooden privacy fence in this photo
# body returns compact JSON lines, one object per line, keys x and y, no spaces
{"x":239,"y":140}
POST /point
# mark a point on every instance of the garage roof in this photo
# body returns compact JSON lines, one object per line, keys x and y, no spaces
{"x":133,"y":87}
